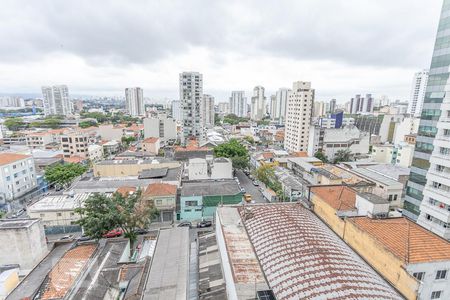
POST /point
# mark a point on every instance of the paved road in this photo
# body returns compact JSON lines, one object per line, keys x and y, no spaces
{"x":247,"y":184}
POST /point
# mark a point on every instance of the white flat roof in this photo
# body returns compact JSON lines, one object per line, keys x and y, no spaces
{"x":59,"y":202}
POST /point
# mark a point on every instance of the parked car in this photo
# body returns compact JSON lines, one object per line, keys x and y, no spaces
{"x":247,"y":172}
{"x":242,"y":190}
{"x":113,"y":233}
{"x":66,"y":237}
{"x":203,"y":224}
{"x":140,"y":231}
{"x":84,"y":238}
{"x":255,"y":183}
{"x":20,"y":212}
{"x":185,"y":224}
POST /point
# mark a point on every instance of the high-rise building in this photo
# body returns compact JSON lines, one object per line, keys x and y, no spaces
{"x":419,"y":85}
{"x":362,"y":105}
{"x":430,"y":198}
{"x":298,"y":116}
{"x":258,"y":109}
{"x":273,"y":106}
{"x":177,"y":113}
{"x":207,"y":110}
{"x":332,"y":106}
{"x":281,"y":99}
{"x":191,"y":95}
{"x":56,"y":100}
{"x":238,"y":104}
{"x":319,"y":109}
{"x":134,"y":98}
{"x":224,"y":108}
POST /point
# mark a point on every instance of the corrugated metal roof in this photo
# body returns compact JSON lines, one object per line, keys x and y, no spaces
{"x":303,"y":259}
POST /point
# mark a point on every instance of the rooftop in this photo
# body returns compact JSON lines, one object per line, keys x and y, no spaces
{"x":341,"y":198}
{"x":160,"y":189}
{"x":126,"y":190}
{"x":153,"y":173}
{"x":347,"y":177}
{"x":302,"y":258}
{"x":375,"y":176}
{"x":405,"y":239}
{"x":210,"y":188}
{"x":59,"y":202}
{"x":150,"y":161}
{"x":375,"y":199}
{"x":8,"y":158}
{"x":389,"y":170}
{"x":151,"y":140}
{"x":16,"y":223}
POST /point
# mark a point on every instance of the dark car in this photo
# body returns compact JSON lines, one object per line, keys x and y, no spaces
{"x":185,"y":224}
{"x":203,"y":224}
{"x":140,"y":231}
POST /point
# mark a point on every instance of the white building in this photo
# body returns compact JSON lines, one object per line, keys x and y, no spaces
{"x":191,"y":95}
{"x":17,"y":175}
{"x":319,"y":109}
{"x":221,"y":168}
{"x":162,"y":127}
{"x":418,"y":88}
{"x":95,"y":152}
{"x":361,"y":105}
{"x":404,"y":127}
{"x":258,"y":107}
{"x":224,"y":108}
{"x":56,"y":100}
{"x":400,"y":154}
{"x":198,"y":169}
{"x":207,"y":110}
{"x":435,"y":206}
{"x":298,"y":116}
{"x":281,"y":100}
{"x":177,"y":113}
{"x":9,"y":101}
{"x":238,"y":104}
{"x":134,"y":98}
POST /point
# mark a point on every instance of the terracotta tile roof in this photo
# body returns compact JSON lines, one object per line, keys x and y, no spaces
{"x":300,"y":154}
{"x":74,"y":159}
{"x":160,"y":189}
{"x":126,"y":190}
{"x":302,"y":258}
{"x":405,"y":239}
{"x":267,"y":155}
{"x":7,"y":158}
{"x":341,"y":198}
{"x":65,"y":272}
{"x":151,"y":140}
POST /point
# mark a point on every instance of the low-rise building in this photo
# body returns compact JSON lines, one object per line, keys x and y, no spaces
{"x":162,"y":196}
{"x":111,"y":147}
{"x":151,"y":145}
{"x":17,"y":175}
{"x":75,"y":144}
{"x":400,"y":154}
{"x":162,"y":127}
{"x":122,"y":168}
{"x":22,"y":242}
{"x":95,"y":152}
{"x":221,"y":167}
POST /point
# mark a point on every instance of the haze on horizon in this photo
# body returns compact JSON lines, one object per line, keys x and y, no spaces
{"x":98,"y":48}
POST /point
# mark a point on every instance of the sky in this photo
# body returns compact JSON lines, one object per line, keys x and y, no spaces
{"x":344,"y":47}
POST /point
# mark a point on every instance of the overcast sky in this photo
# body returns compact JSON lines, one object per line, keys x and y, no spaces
{"x":100,"y":47}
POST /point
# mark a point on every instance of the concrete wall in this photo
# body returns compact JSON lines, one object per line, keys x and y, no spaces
{"x":198,"y":169}
{"x":55,"y":218}
{"x":221,"y":170}
{"x":191,"y":213}
{"x":117,"y":170}
{"x":328,"y":214}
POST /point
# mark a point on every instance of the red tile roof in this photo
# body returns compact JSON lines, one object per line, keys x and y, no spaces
{"x":341,"y":198}
{"x":126,"y":190}
{"x":7,"y":158}
{"x":161,"y":189}
{"x":151,"y":140}
{"x":74,"y":159}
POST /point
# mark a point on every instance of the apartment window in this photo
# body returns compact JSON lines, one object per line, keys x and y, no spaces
{"x":41,"y":215}
{"x":158,"y":202}
{"x":436,"y":295}
{"x":419,"y":275}
{"x":395,"y":197}
{"x":441,"y":274}
{"x":191,"y":203}
{"x":390,"y":198}
{"x":8,"y":178}
{"x":59,"y":214}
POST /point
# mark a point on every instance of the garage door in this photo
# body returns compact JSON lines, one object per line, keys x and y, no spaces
{"x":167,"y":216}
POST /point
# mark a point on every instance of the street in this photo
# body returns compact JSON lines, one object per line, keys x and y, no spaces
{"x":247,"y":184}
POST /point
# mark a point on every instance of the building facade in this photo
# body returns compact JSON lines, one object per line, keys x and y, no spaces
{"x":17,"y":175}
{"x":431,"y":112}
{"x":238,"y":104}
{"x":258,"y":107}
{"x":56,"y":100}
{"x":207,"y":110}
{"x":134,"y":98}
{"x":177,"y":113}
{"x":191,"y":95}
{"x":361,"y":105}
{"x":298,"y":116}
{"x":418,"y":88}
{"x":281,"y":100}
{"x":162,"y":127}
{"x":75,"y":144}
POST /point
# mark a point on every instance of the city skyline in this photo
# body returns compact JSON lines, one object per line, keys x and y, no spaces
{"x":271,"y":60}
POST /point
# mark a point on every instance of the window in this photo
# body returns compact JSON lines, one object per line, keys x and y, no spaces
{"x":158,"y":202}
{"x":441,"y":274}
{"x":41,"y":215}
{"x":419,"y":275}
{"x":390,"y":198}
{"x":8,"y":178}
{"x":191,"y":203}
{"x":59,"y":214}
{"x":395,"y":197}
{"x":436,"y":295}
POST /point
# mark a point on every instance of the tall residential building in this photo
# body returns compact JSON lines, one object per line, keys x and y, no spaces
{"x":238,"y":104}
{"x":207,"y":110}
{"x":191,"y":95}
{"x":134,"y":98}
{"x":419,"y":85}
{"x":332,"y":106}
{"x":224,"y":108}
{"x":272,"y":106}
{"x":319,"y":109}
{"x":430,"y":198}
{"x":282,"y":96}
{"x":258,"y":109}
{"x":177,"y":113}
{"x":161,"y":127}
{"x":298,"y":116}
{"x":362,"y":105}
{"x":56,"y":100}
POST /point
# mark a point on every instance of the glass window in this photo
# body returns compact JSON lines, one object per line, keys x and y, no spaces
{"x":441,"y":274}
{"x":419,"y":275}
{"x":436,"y":295}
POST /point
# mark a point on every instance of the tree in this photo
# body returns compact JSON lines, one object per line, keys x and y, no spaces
{"x":86,"y":124}
{"x":321,"y":156}
{"x":217,"y":120}
{"x":249,"y":139}
{"x":62,"y":175}
{"x":342,"y":155}
{"x":233,"y":119}
{"x":14,"y":124}
{"x":235,"y":151}
{"x":101,"y":214}
{"x":265,"y":174}
{"x":127,"y":140}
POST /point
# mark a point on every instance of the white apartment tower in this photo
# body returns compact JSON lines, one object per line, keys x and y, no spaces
{"x":282,"y":96}
{"x":298,"y":116}
{"x":207,"y":110}
{"x":191,"y":95}
{"x":56,"y":100}
{"x":258,"y":108}
{"x":418,"y":88}
{"x":319,"y":109}
{"x":134,"y":101}
{"x":362,"y":105}
{"x":177,"y":113}
{"x":238,"y":103}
